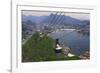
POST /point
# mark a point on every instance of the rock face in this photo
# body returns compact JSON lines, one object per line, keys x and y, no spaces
{"x":65,"y":51}
{"x":85,"y":55}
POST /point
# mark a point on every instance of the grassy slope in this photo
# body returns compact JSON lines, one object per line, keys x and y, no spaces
{"x":41,"y":49}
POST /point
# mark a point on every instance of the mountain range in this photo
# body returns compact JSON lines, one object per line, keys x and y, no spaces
{"x":54,"y":19}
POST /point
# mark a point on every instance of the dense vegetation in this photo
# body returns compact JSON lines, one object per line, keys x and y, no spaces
{"x":41,"y":49}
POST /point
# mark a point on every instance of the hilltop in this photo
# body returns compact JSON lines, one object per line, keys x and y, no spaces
{"x":41,"y":48}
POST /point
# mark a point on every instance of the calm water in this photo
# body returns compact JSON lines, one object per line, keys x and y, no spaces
{"x":78,"y":42}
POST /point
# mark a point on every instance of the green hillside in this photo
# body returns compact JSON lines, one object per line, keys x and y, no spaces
{"x":41,"y":49}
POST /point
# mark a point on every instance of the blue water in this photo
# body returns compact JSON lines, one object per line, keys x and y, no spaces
{"x":78,"y":42}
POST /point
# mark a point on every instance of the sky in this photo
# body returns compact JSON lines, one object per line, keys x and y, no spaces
{"x":77,"y":15}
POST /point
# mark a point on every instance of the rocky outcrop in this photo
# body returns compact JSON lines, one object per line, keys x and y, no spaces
{"x":85,"y":56}
{"x":65,"y":50}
